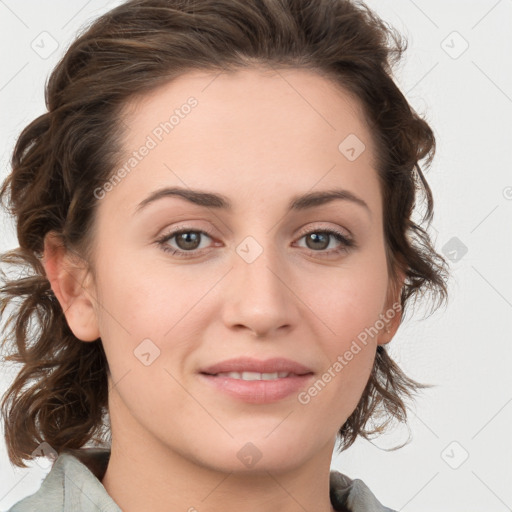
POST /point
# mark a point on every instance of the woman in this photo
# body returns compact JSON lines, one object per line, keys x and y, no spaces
{"x":195,"y":350}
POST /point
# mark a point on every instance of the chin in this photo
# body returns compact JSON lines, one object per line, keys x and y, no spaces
{"x":257,"y":454}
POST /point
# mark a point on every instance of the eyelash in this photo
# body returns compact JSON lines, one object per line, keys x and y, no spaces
{"x":346,"y":243}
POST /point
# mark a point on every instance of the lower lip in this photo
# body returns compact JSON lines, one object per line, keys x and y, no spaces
{"x":258,"y":391}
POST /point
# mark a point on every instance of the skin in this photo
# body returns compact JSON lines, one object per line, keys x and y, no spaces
{"x":260,"y":138}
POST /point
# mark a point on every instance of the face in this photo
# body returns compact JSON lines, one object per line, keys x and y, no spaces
{"x":222,"y":254}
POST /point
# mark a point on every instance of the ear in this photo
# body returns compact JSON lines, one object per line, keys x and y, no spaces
{"x":72,"y":285}
{"x":392,"y":313}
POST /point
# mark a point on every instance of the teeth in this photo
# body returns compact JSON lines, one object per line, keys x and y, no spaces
{"x":254,"y":375}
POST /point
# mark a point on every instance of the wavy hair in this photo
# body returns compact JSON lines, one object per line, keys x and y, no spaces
{"x":60,"y":394}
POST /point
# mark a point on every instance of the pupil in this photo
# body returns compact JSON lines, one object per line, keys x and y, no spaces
{"x":318,"y":237}
{"x":190,"y":240}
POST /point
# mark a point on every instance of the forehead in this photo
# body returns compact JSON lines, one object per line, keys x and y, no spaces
{"x":246,"y":132}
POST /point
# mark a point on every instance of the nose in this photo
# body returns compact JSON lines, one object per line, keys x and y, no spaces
{"x":259,"y":295}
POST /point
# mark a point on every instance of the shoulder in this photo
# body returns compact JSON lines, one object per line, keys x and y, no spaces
{"x":72,"y":484}
{"x":353,"y":495}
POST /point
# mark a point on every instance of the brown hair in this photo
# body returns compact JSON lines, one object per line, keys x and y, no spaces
{"x":60,"y":395}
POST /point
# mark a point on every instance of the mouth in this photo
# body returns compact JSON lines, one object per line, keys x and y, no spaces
{"x":248,"y":368}
{"x":255,"y":381}
{"x":248,"y":376}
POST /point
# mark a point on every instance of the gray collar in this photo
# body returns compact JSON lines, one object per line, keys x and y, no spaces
{"x":74,"y":483}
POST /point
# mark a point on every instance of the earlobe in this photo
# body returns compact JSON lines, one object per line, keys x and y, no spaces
{"x":70,"y":282}
{"x":392,"y":314}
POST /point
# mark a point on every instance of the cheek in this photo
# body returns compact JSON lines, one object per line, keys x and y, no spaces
{"x":144,"y":311}
{"x":140,"y":300}
{"x":351,"y":300}
{"x":348,"y":346}
{"x":349,"y":308}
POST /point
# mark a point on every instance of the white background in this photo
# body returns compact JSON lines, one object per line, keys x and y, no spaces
{"x":465,"y":350}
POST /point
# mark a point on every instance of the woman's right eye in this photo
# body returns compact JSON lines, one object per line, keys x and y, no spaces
{"x":188,"y":241}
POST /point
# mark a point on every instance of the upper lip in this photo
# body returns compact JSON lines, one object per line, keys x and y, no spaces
{"x":249,"y":364}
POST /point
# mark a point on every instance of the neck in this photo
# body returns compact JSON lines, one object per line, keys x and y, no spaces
{"x":143,"y":474}
{"x":136,"y":484}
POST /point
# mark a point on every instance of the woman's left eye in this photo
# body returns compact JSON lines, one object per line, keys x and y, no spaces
{"x":189,"y":241}
{"x":319,"y":240}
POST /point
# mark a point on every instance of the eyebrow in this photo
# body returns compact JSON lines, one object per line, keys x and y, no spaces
{"x":221,"y":202}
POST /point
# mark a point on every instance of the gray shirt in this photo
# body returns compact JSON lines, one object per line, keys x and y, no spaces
{"x":74,"y":484}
